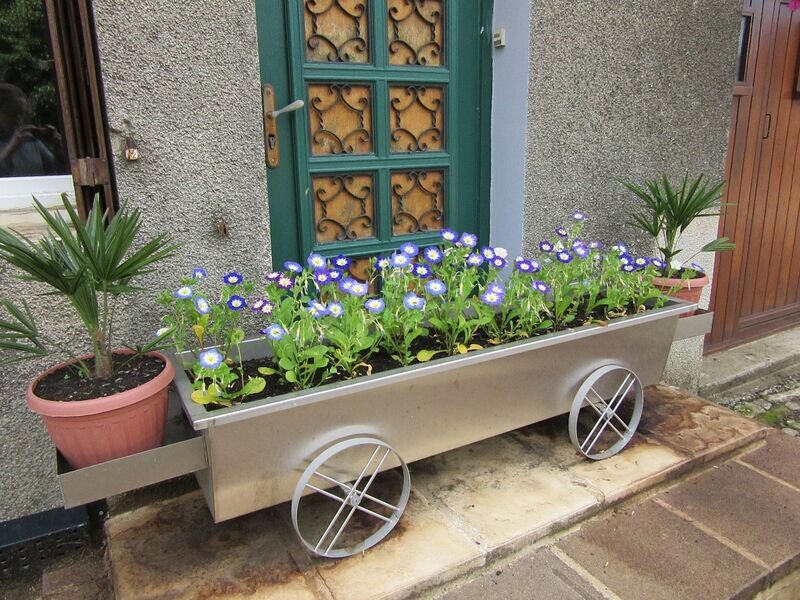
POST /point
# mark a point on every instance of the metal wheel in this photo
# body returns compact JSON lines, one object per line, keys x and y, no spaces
{"x":347,"y":486}
{"x":606,"y":412}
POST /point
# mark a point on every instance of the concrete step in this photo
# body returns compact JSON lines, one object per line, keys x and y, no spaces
{"x":470,"y":509}
{"x":749,"y":362}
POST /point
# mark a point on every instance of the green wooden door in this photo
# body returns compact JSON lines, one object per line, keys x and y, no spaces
{"x":393,"y":141}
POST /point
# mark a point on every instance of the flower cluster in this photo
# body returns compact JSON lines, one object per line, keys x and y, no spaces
{"x":416,"y":303}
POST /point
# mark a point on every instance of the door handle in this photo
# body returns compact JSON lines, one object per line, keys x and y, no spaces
{"x":272,"y":148}
{"x":296,"y":105}
{"x":767,"y":126}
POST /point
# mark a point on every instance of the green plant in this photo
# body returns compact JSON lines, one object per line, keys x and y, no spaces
{"x":91,"y":264}
{"x":668,"y":211}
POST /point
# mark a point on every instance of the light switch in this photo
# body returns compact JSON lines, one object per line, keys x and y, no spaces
{"x":499,"y":38}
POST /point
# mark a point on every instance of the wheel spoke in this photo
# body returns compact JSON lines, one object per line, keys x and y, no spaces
{"x":340,"y":499}
{"x":346,"y":500}
{"x":603,"y":402}
{"x":347,"y":488}
{"x":605,"y":417}
{"x":355,"y":487}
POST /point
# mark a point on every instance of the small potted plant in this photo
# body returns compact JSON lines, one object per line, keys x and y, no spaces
{"x":111,"y":402}
{"x":666,"y":212}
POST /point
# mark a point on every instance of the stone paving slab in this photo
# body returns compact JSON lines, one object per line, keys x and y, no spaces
{"x":694,"y":426}
{"x":648,"y":552}
{"x":780,"y":457}
{"x":754,"y":512}
{"x":174,"y":550}
{"x":538,"y":575}
{"x":503,"y":491}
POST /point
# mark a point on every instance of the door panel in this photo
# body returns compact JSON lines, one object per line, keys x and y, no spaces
{"x":392,"y":142}
{"x":756,"y":285}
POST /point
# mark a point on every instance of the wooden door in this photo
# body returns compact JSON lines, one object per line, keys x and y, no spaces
{"x":392,"y":143}
{"x":756,"y":289}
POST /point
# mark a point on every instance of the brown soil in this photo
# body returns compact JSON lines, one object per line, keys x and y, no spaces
{"x":66,"y":384}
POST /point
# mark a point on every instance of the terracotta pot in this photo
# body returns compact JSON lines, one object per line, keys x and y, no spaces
{"x":91,"y":431}
{"x":688,"y":289}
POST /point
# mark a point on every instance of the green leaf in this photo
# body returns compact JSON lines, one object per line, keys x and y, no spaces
{"x":286,"y":363}
{"x":268,"y":371}
{"x":209,"y":395}
{"x":237,"y":336}
{"x":426,"y":355}
{"x":290,"y":376}
{"x":254,"y":385}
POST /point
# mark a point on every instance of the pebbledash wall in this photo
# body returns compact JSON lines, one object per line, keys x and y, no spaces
{"x":582,"y":92}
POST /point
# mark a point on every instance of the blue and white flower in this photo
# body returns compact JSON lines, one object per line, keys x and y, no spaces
{"x":273,"y":276}
{"x":581,"y":251}
{"x":541,"y":286}
{"x":497,"y":287}
{"x":163,"y":331}
{"x":564,"y":256}
{"x":561,"y":232}
{"x":409,"y":249}
{"x":535,"y":265}
{"x":211,"y":359}
{"x":475,"y":260}
{"x":232,"y":278}
{"x":199,"y":273}
{"x":263,"y":306}
{"x":358,"y":289}
{"x":413,"y":302}
{"x":316,"y":309}
{"x":487,"y":252}
{"x":696,"y":267}
{"x":399,"y":260}
{"x":236,"y":302}
{"x":545,"y":246}
{"x":657,"y":263}
{"x":524,"y":266}
{"x":335,"y":309}
{"x":468,"y":240}
{"x":382,"y":263}
{"x":341,"y":262}
{"x":448,"y":235}
{"x":293,"y":267}
{"x":375,"y":305}
{"x":596,"y":245}
{"x":335,"y":275}
{"x":317,"y":261}
{"x":184,"y":293}
{"x":435,"y":287}
{"x":501,"y":252}
{"x":625,"y":259}
{"x":491,"y":298}
{"x":498,"y":262}
{"x":578,"y":216}
{"x":640,"y":262}
{"x":345,"y":284}
{"x":285,"y":282}
{"x":620,"y":248}
{"x":201,"y":305}
{"x":274,"y":332}
{"x":628,"y":268}
{"x":421,"y":270}
{"x":322,"y":277}
{"x":433,"y":255}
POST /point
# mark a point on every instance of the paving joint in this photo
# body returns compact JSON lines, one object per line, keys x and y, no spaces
{"x":587,"y":577}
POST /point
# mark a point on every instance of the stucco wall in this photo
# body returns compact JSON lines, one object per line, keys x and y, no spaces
{"x":182,"y":78}
{"x":626,"y":90}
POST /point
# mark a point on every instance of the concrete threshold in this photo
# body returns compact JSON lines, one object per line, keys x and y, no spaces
{"x":724,"y":370}
{"x":526,"y":493}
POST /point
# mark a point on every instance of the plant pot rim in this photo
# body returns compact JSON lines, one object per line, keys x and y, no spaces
{"x":93,"y":406}
{"x":671,"y":282}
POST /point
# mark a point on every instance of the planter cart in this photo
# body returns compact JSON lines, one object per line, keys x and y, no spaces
{"x":335,"y":440}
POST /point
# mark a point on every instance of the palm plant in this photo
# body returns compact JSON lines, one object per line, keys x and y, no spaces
{"x":668,"y":211}
{"x":91,"y":264}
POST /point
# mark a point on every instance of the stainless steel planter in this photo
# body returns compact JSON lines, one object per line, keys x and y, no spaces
{"x":256,"y":452}
{"x":278,"y":449}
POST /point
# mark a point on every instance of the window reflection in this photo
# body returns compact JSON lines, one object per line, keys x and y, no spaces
{"x":31,"y":142}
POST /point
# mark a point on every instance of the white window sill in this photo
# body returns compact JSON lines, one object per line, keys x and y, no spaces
{"x":16,"y":200}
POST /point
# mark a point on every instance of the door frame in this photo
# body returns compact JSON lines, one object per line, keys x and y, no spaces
{"x":289,"y":240}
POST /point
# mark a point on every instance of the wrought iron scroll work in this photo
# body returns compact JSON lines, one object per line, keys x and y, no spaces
{"x":416,"y":32}
{"x":343,"y":207}
{"x":336,"y":31}
{"x":340,"y":121}
{"x":417,"y":201}
{"x":416,"y":118}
